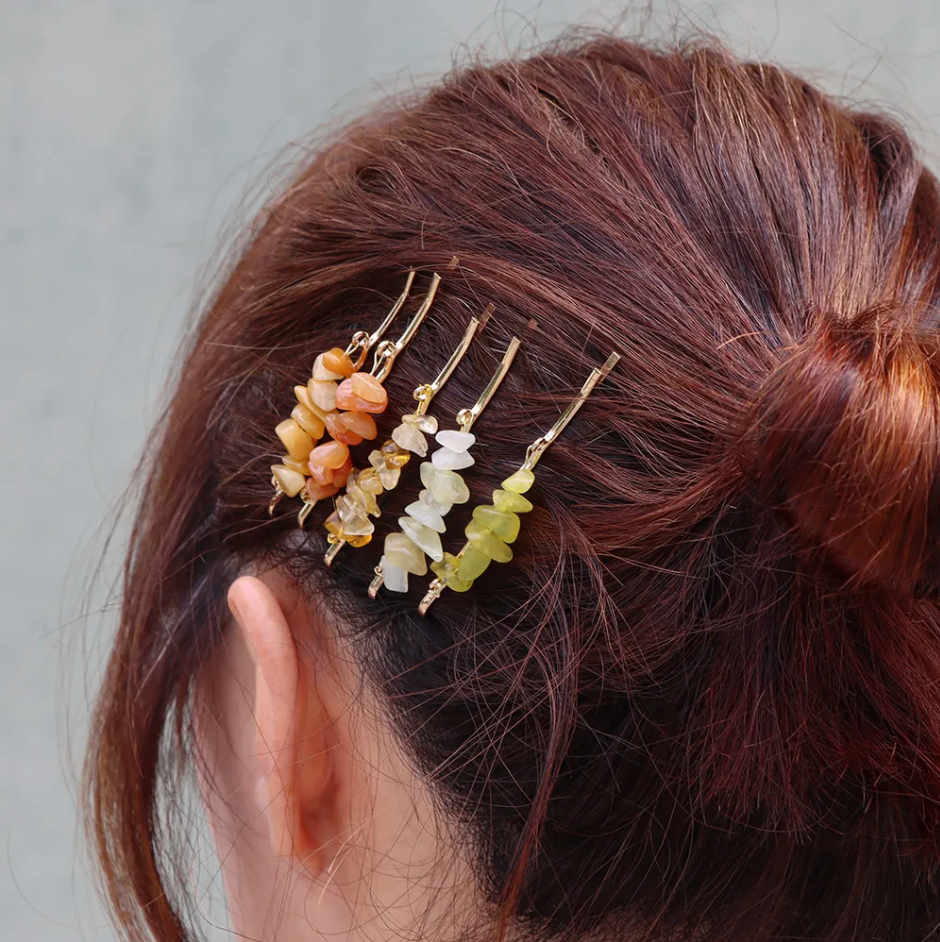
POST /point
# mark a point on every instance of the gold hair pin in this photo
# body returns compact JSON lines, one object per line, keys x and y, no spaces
{"x":494,"y":526}
{"x":350,"y":522}
{"x":423,"y":523}
{"x":317,"y":399}
{"x":340,"y":399}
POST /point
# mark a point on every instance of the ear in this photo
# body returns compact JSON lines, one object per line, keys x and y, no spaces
{"x":293,"y":755}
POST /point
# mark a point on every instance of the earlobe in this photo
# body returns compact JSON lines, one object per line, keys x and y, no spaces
{"x":294,"y":766}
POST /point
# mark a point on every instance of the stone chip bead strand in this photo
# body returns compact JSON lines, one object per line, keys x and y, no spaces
{"x":489,"y":533}
{"x":423,"y":523}
{"x":317,"y":412}
{"x":317,"y":470}
{"x":359,"y":396}
{"x":350,"y":522}
{"x":314,"y":412}
{"x":495,"y":526}
{"x":355,"y":399}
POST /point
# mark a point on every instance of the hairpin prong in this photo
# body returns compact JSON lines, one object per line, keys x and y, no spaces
{"x":466,"y":417}
{"x":278,"y":495}
{"x":387,"y":351}
{"x":495,"y":526}
{"x":538,"y":447}
{"x":424,"y":394}
{"x":423,"y":522}
{"x":435,"y":590}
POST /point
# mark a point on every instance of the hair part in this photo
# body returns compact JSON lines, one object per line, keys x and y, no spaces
{"x":708,"y":704}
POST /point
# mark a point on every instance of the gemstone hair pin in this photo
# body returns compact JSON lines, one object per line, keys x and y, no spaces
{"x":494,"y":526}
{"x":423,"y":523}
{"x":340,"y":399}
{"x":350,"y":522}
{"x":307,"y":423}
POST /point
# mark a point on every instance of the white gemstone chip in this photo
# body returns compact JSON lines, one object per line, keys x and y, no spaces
{"x":401,"y":550}
{"x":426,"y":514}
{"x":444,"y":486}
{"x":409,"y":438}
{"x":456,"y":441}
{"x":423,"y":423}
{"x":441,"y":506}
{"x":395,"y":578}
{"x":448,"y":460}
{"x":422,"y":536}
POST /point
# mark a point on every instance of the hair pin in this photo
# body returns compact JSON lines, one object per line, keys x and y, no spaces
{"x":316,"y":399}
{"x":359,"y":396}
{"x":349,"y":522}
{"x":494,"y":526}
{"x":340,"y":399}
{"x":362,"y":341}
{"x":423,"y":523}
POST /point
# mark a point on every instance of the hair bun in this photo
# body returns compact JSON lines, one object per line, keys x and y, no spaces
{"x":848,"y":430}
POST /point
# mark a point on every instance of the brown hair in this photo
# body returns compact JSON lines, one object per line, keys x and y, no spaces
{"x":713,"y":665}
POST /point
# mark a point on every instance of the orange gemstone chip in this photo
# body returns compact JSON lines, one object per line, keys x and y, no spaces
{"x":328,"y":455}
{"x":362,"y":424}
{"x":368,"y":387}
{"x":336,"y":361}
{"x":353,"y":392}
{"x":319,"y":491}
{"x":351,"y":427}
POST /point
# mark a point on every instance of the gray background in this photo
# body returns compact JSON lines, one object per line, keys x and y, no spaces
{"x":128,"y":131}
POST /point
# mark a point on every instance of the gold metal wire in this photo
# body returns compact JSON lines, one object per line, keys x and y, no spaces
{"x":466,"y":417}
{"x":537,"y":448}
{"x":387,"y":351}
{"x":425,"y":393}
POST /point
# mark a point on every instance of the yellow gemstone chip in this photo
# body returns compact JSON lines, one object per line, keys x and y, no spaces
{"x":487,"y":542}
{"x":447,"y":571}
{"x":504,"y":525}
{"x":473,"y":564}
{"x":510,"y":502}
{"x":519,"y":482}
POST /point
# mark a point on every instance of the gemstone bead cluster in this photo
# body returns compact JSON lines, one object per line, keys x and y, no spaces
{"x":489,"y":533}
{"x":350,"y":522}
{"x":423,"y":522}
{"x":339,"y":401}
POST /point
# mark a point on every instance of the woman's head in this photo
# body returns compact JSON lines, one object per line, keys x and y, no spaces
{"x":702,"y":698}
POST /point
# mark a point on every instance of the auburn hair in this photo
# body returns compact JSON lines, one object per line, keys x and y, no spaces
{"x":704,"y":698}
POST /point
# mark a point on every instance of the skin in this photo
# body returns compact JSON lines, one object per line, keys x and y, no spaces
{"x":322,"y":827}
